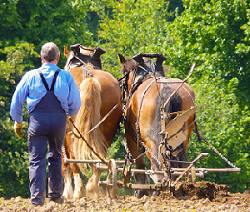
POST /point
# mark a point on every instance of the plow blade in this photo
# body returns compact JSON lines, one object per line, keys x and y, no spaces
{"x":145,"y":187}
{"x":174,"y":127}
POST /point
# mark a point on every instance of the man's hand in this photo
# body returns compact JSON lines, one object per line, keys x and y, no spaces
{"x":69,"y":118}
{"x":18,"y":129}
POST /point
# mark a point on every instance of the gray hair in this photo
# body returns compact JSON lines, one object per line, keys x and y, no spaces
{"x":50,"y":51}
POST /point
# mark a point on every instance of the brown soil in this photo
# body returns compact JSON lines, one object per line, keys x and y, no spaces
{"x":202,"y":196}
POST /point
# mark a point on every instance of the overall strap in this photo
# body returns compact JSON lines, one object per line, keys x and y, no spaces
{"x":44,"y":81}
{"x":54,"y":80}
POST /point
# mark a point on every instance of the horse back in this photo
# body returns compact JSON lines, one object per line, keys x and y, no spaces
{"x":77,"y":75}
{"x":144,"y":108}
{"x":186,"y":93}
{"x":155,"y":96}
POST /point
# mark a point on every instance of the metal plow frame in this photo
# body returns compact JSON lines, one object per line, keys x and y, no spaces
{"x":112,"y":183}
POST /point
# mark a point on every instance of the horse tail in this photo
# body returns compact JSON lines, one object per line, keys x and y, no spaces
{"x":87,"y":118}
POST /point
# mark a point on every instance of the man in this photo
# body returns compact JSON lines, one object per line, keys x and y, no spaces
{"x":51,"y":93}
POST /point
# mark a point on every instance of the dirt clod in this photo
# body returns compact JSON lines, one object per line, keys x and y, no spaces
{"x":202,"y":196}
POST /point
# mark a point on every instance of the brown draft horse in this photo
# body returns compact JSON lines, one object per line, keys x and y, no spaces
{"x":100,"y":93}
{"x":147,"y":90}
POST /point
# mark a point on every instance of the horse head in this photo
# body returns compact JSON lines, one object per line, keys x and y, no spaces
{"x":81,"y":56}
{"x":142,"y":61}
{"x":140,"y":67}
{"x":156,"y":68}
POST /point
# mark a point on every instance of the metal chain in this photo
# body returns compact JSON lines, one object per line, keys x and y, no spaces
{"x":216,"y":151}
{"x":142,"y":154}
{"x":213,"y":148}
{"x":125,"y":145}
{"x":197,"y":131}
{"x":149,"y":150}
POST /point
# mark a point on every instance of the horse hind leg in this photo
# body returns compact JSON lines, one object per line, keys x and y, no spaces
{"x":67,"y":175}
{"x":69,"y":170}
{"x":69,"y":192}
{"x":92,"y":188}
{"x":79,"y":190}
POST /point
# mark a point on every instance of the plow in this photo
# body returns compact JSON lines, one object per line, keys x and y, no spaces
{"x":112,"y":183}
{"x":171,"y":176}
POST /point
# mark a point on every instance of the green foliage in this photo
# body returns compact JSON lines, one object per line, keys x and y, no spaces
{"x":14,"y":166}
{"x":207,"y":33}
{"x":14,"y":177}
{"x":175,"y":7}
{"x":20,"y":59}
{"x":61,"y":21}
{"x":213,"y":34}
{"x":130,"y":27}
{"x":43,"y":20}
{"x":225,"y":125}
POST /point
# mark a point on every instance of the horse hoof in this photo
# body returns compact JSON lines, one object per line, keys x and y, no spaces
{"x":140,"y":194}
{"x":68,"y":193}
{"x":79,"y":193}
{"x":156,"y":193}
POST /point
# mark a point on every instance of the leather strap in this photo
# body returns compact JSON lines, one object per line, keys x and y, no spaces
{"x":44,"y":81}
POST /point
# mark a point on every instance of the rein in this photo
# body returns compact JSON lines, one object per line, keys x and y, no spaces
{"x":90,"y":147}
{"x":97,"y":125}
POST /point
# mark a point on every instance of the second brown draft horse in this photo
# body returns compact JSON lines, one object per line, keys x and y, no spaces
{"x":100,"y":100}
{"x":147,"y":89}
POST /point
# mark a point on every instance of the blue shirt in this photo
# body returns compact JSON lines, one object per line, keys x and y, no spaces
{"x":31,"y":89}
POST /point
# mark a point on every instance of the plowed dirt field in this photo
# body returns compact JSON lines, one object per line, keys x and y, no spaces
{"x":202,"y":196}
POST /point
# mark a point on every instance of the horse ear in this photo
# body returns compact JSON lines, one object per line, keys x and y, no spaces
{"x":138,"y":58}
{"x":98,"y":52}
{"x":66,"y":51}
{"x":160,"y":59}
{"x":75,"y":48}
{"x":122,"y":59}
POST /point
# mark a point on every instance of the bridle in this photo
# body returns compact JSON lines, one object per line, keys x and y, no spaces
{"x":75,"y":61}
{"x":140,"y":74}
{"x":78,"y":59}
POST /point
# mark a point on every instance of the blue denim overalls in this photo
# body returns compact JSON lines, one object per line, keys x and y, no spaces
{"x":47,"y":123}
